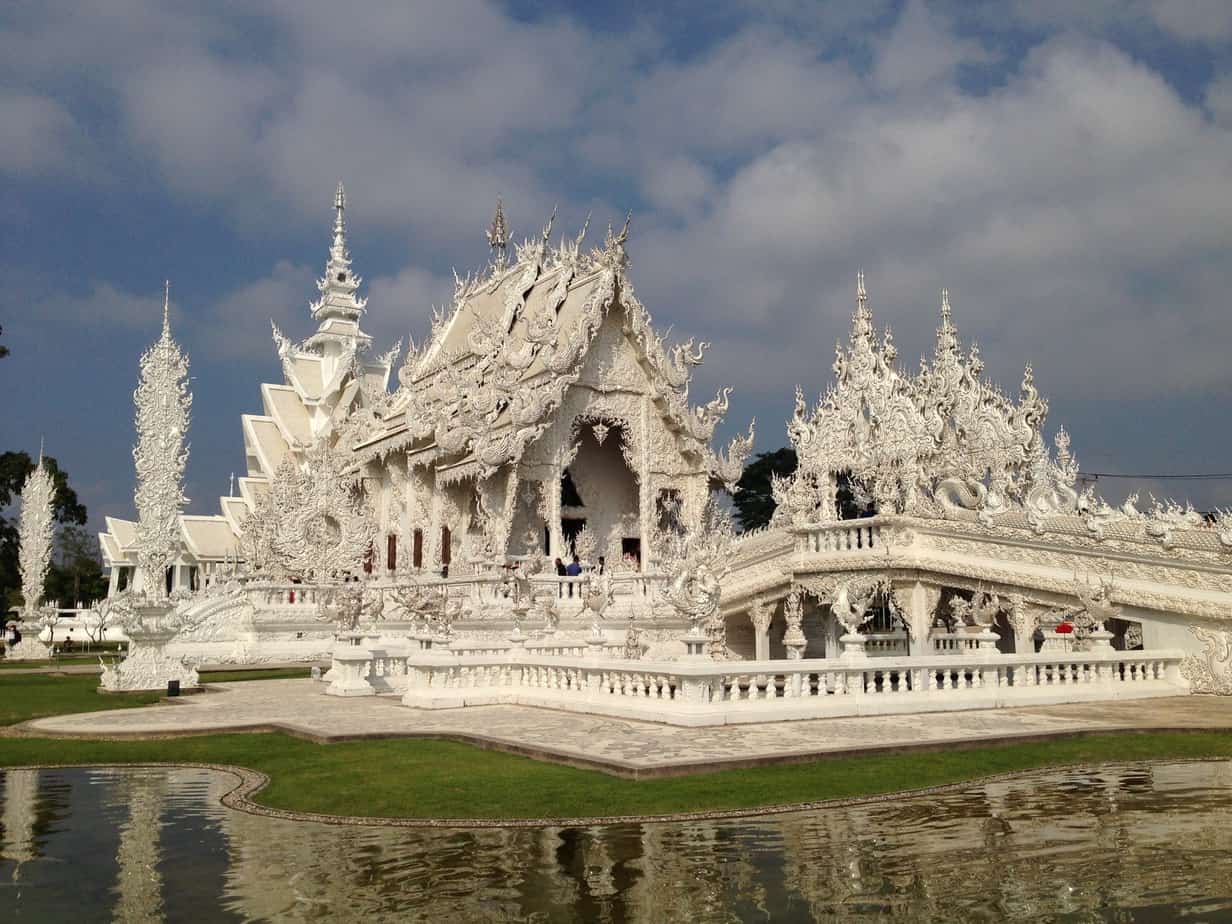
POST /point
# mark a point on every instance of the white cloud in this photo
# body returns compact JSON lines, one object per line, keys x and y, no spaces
{"x":236,"y":326}
{"x":39,"y":136}
{"x":1074,"y":204}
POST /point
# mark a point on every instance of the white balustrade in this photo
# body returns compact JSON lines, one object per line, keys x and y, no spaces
{"x":842,"y":537}
{"x":886,"y":644}
{"x":702,"y":692}
{"x":955,"y":642}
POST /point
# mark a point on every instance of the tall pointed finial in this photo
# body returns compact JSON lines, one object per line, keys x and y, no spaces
{"x":40,"y":461}
{"x":231,"y":490}
{"x":862,"y":320}
{"x":614,"y":244}
{"x":623,"y":237}
{"x":547,"y":229}
{"x":166,"y":306}
{"x":339,"y":285}
{"x":498,"y":237}
{"x":947,"y":333}
{"x":339,"y":220}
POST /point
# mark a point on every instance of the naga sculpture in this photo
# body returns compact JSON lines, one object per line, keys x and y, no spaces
{"x":1211,"y":671}
{"x":703,"y":559}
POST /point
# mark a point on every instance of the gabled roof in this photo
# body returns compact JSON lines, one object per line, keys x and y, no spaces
{"x":496,"y":370}
{"x":208,"y":538}
{"x":283,"y":405}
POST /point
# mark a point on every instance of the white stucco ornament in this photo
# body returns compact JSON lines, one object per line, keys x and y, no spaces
{"x":160,"y":454}
{"x":1211,"y":671}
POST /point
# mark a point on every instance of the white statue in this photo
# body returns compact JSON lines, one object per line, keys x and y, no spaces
{"x":35,"y":531}
{"x":150,"y":616}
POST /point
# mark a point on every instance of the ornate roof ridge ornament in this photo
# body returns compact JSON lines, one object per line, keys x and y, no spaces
{"x":613,"y":253}
{"x":498,"y":239}
{"x":937,"y":442}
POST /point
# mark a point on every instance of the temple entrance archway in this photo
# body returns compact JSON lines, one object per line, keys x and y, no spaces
{"x":604,"y":493}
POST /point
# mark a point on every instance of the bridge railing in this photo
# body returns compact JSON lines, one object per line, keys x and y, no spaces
{"x":697,"y":691}
{"x":843,"y":536}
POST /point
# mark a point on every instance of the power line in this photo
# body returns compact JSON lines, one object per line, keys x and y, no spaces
{"x":1209,"y":476}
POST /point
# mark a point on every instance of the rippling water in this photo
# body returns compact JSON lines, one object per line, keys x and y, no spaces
{"x":1135,"y":843}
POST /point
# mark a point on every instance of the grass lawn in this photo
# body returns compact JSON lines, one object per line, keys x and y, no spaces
{"x":424,"y":778}
{"x":34,"y":696}
{"x":272,"y":673}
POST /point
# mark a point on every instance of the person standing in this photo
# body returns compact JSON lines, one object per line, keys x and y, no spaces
{"x":574,"y":569}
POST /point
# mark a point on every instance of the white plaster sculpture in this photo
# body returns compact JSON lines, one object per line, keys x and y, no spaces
{"x":695,"y":588}
{"x":1091,"y":622}
{"x":793,"y":636}
{"x":598,"y":598}
{"x":1211,"y":671}
{"x":35,"y":531}
{"x":977,"y":616}
{"x":149,"y":614}
{"x":149,"y":626}
{"x":942,"y":440}
{"x":163,"y":403}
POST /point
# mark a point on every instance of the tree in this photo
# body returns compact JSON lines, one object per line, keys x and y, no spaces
{"x":4,"y":351}
{"x":753,"y":500}
{"x":15,"y":468}
{"x":77,"y":574}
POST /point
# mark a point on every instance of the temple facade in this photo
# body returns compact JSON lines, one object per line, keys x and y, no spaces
{"x":545,"y":419}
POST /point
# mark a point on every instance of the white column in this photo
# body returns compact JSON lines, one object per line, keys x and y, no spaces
{"x":760,"y":613}
{"x":921,"y":601}
{"x":557,"y":543}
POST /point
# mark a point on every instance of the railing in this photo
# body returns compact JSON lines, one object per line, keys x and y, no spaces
{"x":954,"y":643}
{"x":700,"y":692}
{"x":488,"y":589}
{"x":844,"y":536}
{"x":886,"y":644}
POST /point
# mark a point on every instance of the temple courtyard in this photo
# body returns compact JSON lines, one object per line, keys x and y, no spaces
{"x":623,"y":747}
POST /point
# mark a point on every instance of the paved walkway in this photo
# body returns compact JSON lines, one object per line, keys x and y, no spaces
{"x":85,"y":666}
{"x":626,"y":747}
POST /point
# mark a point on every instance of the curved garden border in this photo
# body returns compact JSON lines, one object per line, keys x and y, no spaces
{"x":250,"y":782}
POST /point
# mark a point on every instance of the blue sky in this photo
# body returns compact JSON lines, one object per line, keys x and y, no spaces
{"x":1063,"y":168}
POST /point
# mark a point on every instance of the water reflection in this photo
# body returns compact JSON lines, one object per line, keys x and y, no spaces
{"x":1130,"y":843}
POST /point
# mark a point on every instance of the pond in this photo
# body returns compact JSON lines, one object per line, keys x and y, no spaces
{"x":1148,"y":842}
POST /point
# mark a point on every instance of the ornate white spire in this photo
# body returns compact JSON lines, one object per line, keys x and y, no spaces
{"x":498,"y":238}
{"x":163,"y":403}
{"x":35,"y":534}
{"x":862,"y":320}
{"x":166,"y":309}
{"x":339,"y":286}
{"x":947,"y":333}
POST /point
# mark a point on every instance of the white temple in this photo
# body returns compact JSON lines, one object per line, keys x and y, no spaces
{"x":930,"y":543}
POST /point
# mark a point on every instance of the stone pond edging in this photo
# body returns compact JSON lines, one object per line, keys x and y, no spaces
{"x":250,"y":782}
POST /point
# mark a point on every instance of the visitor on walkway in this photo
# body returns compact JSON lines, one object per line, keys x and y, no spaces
{"x":573,"y":570}
{"x":560,"y":568}
{"x":601,"y":564}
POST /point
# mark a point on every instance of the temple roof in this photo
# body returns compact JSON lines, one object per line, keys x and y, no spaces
{"x":496,"y":368}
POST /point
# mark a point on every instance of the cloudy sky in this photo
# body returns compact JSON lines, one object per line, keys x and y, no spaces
{"x":1065,"y":169}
